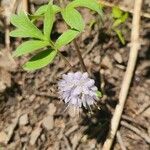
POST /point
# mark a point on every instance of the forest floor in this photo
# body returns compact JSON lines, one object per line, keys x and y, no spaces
{"x":33,"y":117}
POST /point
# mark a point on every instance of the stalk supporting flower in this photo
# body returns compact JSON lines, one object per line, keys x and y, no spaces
{"x":80,"y":56}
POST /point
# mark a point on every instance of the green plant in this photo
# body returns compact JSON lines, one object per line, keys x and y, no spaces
{"x":119,"y":18}
{"x":26,"y":28}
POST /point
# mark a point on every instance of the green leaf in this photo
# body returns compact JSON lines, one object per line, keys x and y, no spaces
{"x":40,"y":60}
{"x":73,"y":18}
{"x":42,"y":9}
{"x":91,"y":4}
{"x":120,"y":36}
{"x":49,"y":18}
{"x":116,"y":12}
{"x":29,"y":46}
{"x":116,"y":23}
{"x":99,"y":94}
{"x":66,"y":38}
{"x":23,"y":23}
{"x":121,"y":20}
{"x":124,"y":17}
{"x":19,"y":33}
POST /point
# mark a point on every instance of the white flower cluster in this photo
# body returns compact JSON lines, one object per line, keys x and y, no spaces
{"x":77,"y":89}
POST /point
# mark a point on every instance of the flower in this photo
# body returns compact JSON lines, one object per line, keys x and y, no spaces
{"x":77,"y":89}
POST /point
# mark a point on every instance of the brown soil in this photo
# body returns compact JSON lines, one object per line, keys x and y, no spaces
{"x":33,"y":95}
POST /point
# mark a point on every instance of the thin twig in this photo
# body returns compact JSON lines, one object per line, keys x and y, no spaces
{"x":80,"y":56}
{"x":108,"y":4}
{"x":7,"y":37}
{"x":128,"y":75}
{"x":136,"y":130}
{"x":64,"y":58}
{"x":120,"y":141}
{"x":144,"y":107}
{"x":133,"y":121}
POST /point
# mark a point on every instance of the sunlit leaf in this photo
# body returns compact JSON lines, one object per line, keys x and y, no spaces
{"x":117,"y":22}
{"x":66,"y":38}
{"x":91,"y":4}
{"x":42,"y":9}
{"x":124,"y":17}
{"x":29,"y":46}
{"x":40,"y":60}
{"x":23,"y":23}
{"x":73,"y":18}
{"x":49,"y":18}
{"x":116,"y":12}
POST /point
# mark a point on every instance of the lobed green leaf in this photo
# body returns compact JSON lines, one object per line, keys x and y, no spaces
{"x":73,"y":18}
{"x":40,"y":60}
{"x":66,"y":38}
{"x":29,"y":46}
{"x":42,"y":9}
{"x":23,"y":23}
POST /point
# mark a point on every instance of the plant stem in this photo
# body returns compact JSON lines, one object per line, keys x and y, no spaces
{"x":64,"y":58}
{"x":80,"y":56}
{"x":51,"y":44}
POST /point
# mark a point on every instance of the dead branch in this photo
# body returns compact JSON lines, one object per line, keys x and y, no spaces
{"x":128,"y":75}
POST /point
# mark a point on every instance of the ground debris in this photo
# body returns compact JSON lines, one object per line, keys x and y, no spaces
{"x":23,"y":120}
{"x":48,"y":122}
{"x":34,"y":135}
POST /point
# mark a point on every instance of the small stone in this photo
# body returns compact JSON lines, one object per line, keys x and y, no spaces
{"x":51,"y":109}
{"x":24,"y":139}
{"x":31,"y":98}
{"x":34,"y":135}
{"x":118,"y":57}
{"x":120,"y":66}
{"x":106,"y":62}
{"x":19,"y":98}
{"x":23,"y":120}
{"x":43,"y":138}
{"x":48,"y":122}
{"x":97,"y":59}
{"x":25,"y":130}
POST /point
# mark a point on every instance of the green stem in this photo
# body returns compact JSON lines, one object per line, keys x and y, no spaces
{"x":60,"y":54}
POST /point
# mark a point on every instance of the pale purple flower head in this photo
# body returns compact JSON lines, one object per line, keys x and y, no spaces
{"x":77,"y":89}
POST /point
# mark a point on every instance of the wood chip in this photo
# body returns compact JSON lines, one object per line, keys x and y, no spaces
{"x":118,"y":57}
{"x":48,"y":122}
{"x":34,"y":135}
{"x":3,"y":137}
{"x":106,"y":63}
{"x":11,"y":128}
{"x":23,"y":120}
{"x":51,"y":109}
